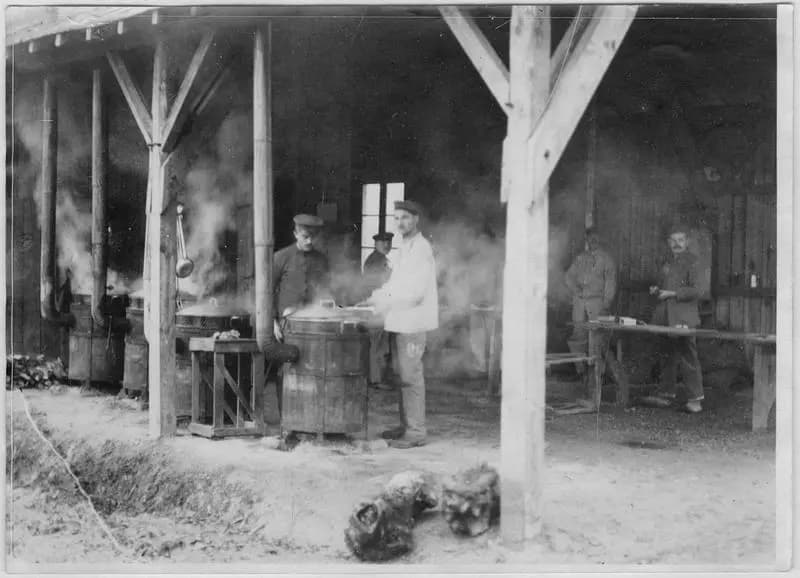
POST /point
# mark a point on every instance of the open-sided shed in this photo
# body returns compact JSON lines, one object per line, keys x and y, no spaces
{"x":331,"y":102}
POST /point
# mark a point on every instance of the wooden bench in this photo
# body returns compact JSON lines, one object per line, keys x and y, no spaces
{"x":227,"y":371}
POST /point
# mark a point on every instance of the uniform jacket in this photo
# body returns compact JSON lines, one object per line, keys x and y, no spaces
{"x":411,"y":297}
{"x":299,"y":278}
{"x":593,"y":276}
{"x":679,"y":274}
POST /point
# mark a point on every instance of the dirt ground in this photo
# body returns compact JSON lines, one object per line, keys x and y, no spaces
{"x":642,"y":486}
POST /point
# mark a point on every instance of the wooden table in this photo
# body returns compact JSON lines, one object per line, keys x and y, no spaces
{"x":219,"y":357}
{"x":763,"y":370}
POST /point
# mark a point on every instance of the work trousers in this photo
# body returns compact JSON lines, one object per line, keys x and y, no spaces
{"x":407,"y":350}
{"x":680,"y":353}
{"x":378,"y":353}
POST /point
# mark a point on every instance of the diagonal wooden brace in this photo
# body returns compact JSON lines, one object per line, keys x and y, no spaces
{"x":480,"y":52}
{"x":582,"y":74}
{"x":132,"y":94}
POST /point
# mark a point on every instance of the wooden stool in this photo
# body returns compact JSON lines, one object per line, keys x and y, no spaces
{"x":217,"y":356}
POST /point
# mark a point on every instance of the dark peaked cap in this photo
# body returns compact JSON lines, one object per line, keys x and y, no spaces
{"x":308,"y":221}
{"x":383,"y":236}
{"x":410,"y":206}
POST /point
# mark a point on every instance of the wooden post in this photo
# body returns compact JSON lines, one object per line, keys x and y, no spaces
{"x":48,"y":199}
{"x":591,"y":161}
{"x":99,"y":229}
{"x":161,"y":294}
{"x":263,"y":237}
{"x":525,"y":286}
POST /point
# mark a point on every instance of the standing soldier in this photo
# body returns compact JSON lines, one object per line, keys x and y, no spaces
{"x":300,"y":275}
{"x":592,"y":281}
{"x":409,"y":301}
{"x":376,"y":273}
{"x":678,"y":293}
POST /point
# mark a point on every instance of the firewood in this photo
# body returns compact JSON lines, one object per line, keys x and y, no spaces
{"x":26,"y":371}
{"x":381,"y":529}
{"x":471,"y":500}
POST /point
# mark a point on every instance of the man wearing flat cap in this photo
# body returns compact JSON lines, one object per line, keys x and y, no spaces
{"x":376,"y":273}
{"x":410,"y":304}
{"x":300,"y":272}
{"x":678,"y":293}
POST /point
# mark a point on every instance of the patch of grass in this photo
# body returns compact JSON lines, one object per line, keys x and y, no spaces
{"x":123,"y":477}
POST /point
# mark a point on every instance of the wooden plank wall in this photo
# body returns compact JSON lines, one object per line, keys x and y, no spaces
{"x":746,"y":244}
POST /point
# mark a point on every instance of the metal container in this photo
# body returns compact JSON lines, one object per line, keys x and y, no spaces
{"x":136,"y":353}
{"x":201,"y":320}
{"x":325,"y":391}
{"x":95,"y":354}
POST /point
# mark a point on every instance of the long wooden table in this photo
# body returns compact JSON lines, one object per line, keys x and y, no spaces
{"x":763,"y":365}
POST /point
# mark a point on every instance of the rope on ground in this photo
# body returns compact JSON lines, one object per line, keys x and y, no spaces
{"x":100,"y":520}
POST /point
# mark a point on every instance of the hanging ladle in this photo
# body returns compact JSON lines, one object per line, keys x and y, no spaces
{"x":184,"y":266}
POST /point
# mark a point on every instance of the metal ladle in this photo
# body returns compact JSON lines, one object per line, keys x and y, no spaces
{"x":184,"y":266}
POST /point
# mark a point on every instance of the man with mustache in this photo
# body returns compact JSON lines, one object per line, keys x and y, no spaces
{"x":678,"y":294}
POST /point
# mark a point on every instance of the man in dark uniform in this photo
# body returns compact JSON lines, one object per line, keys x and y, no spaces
{"x":300,"y":276}
{"x":678,"y":294}
{"x":376,"y":267}
{"x":376,"y":273}
{"x":300,"y":273}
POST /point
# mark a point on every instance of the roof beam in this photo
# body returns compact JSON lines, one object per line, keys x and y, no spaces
{"x":180,"y":111}
{"x":480,"y":52}
{"x":132,"y":95}
{"x":574,"y":88}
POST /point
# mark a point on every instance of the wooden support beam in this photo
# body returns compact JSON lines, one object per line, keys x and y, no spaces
{"x":591,"y":162}
{"x":480,"y":52}
{"x":263,"y":212}
{"x":524,"y":287}
{"x":179,"y":111}
{"x":161,"y":296}
{"x":565,"y":47}
{"x":197,"y":106}
{"x":582,"y":73}
{"x":132,"y":95}
{"x":99,"y":199}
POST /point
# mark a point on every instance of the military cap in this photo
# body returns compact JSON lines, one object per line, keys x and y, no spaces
{"x":678,"y":226}
{"x":307,"y":221}
{"x":383,"y":236}
{"x":409,"y":206}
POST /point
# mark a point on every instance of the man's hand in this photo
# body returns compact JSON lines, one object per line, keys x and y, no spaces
{"x":276,"y":330}
{"x":664,"y":294}
{"x":654,"y":290}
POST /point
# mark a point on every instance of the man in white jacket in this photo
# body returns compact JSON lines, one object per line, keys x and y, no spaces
{"x":410,"y":304}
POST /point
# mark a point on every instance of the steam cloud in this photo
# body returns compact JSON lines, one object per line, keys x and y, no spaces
{"x":73,"y":218}
{"x":214,"y":185}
